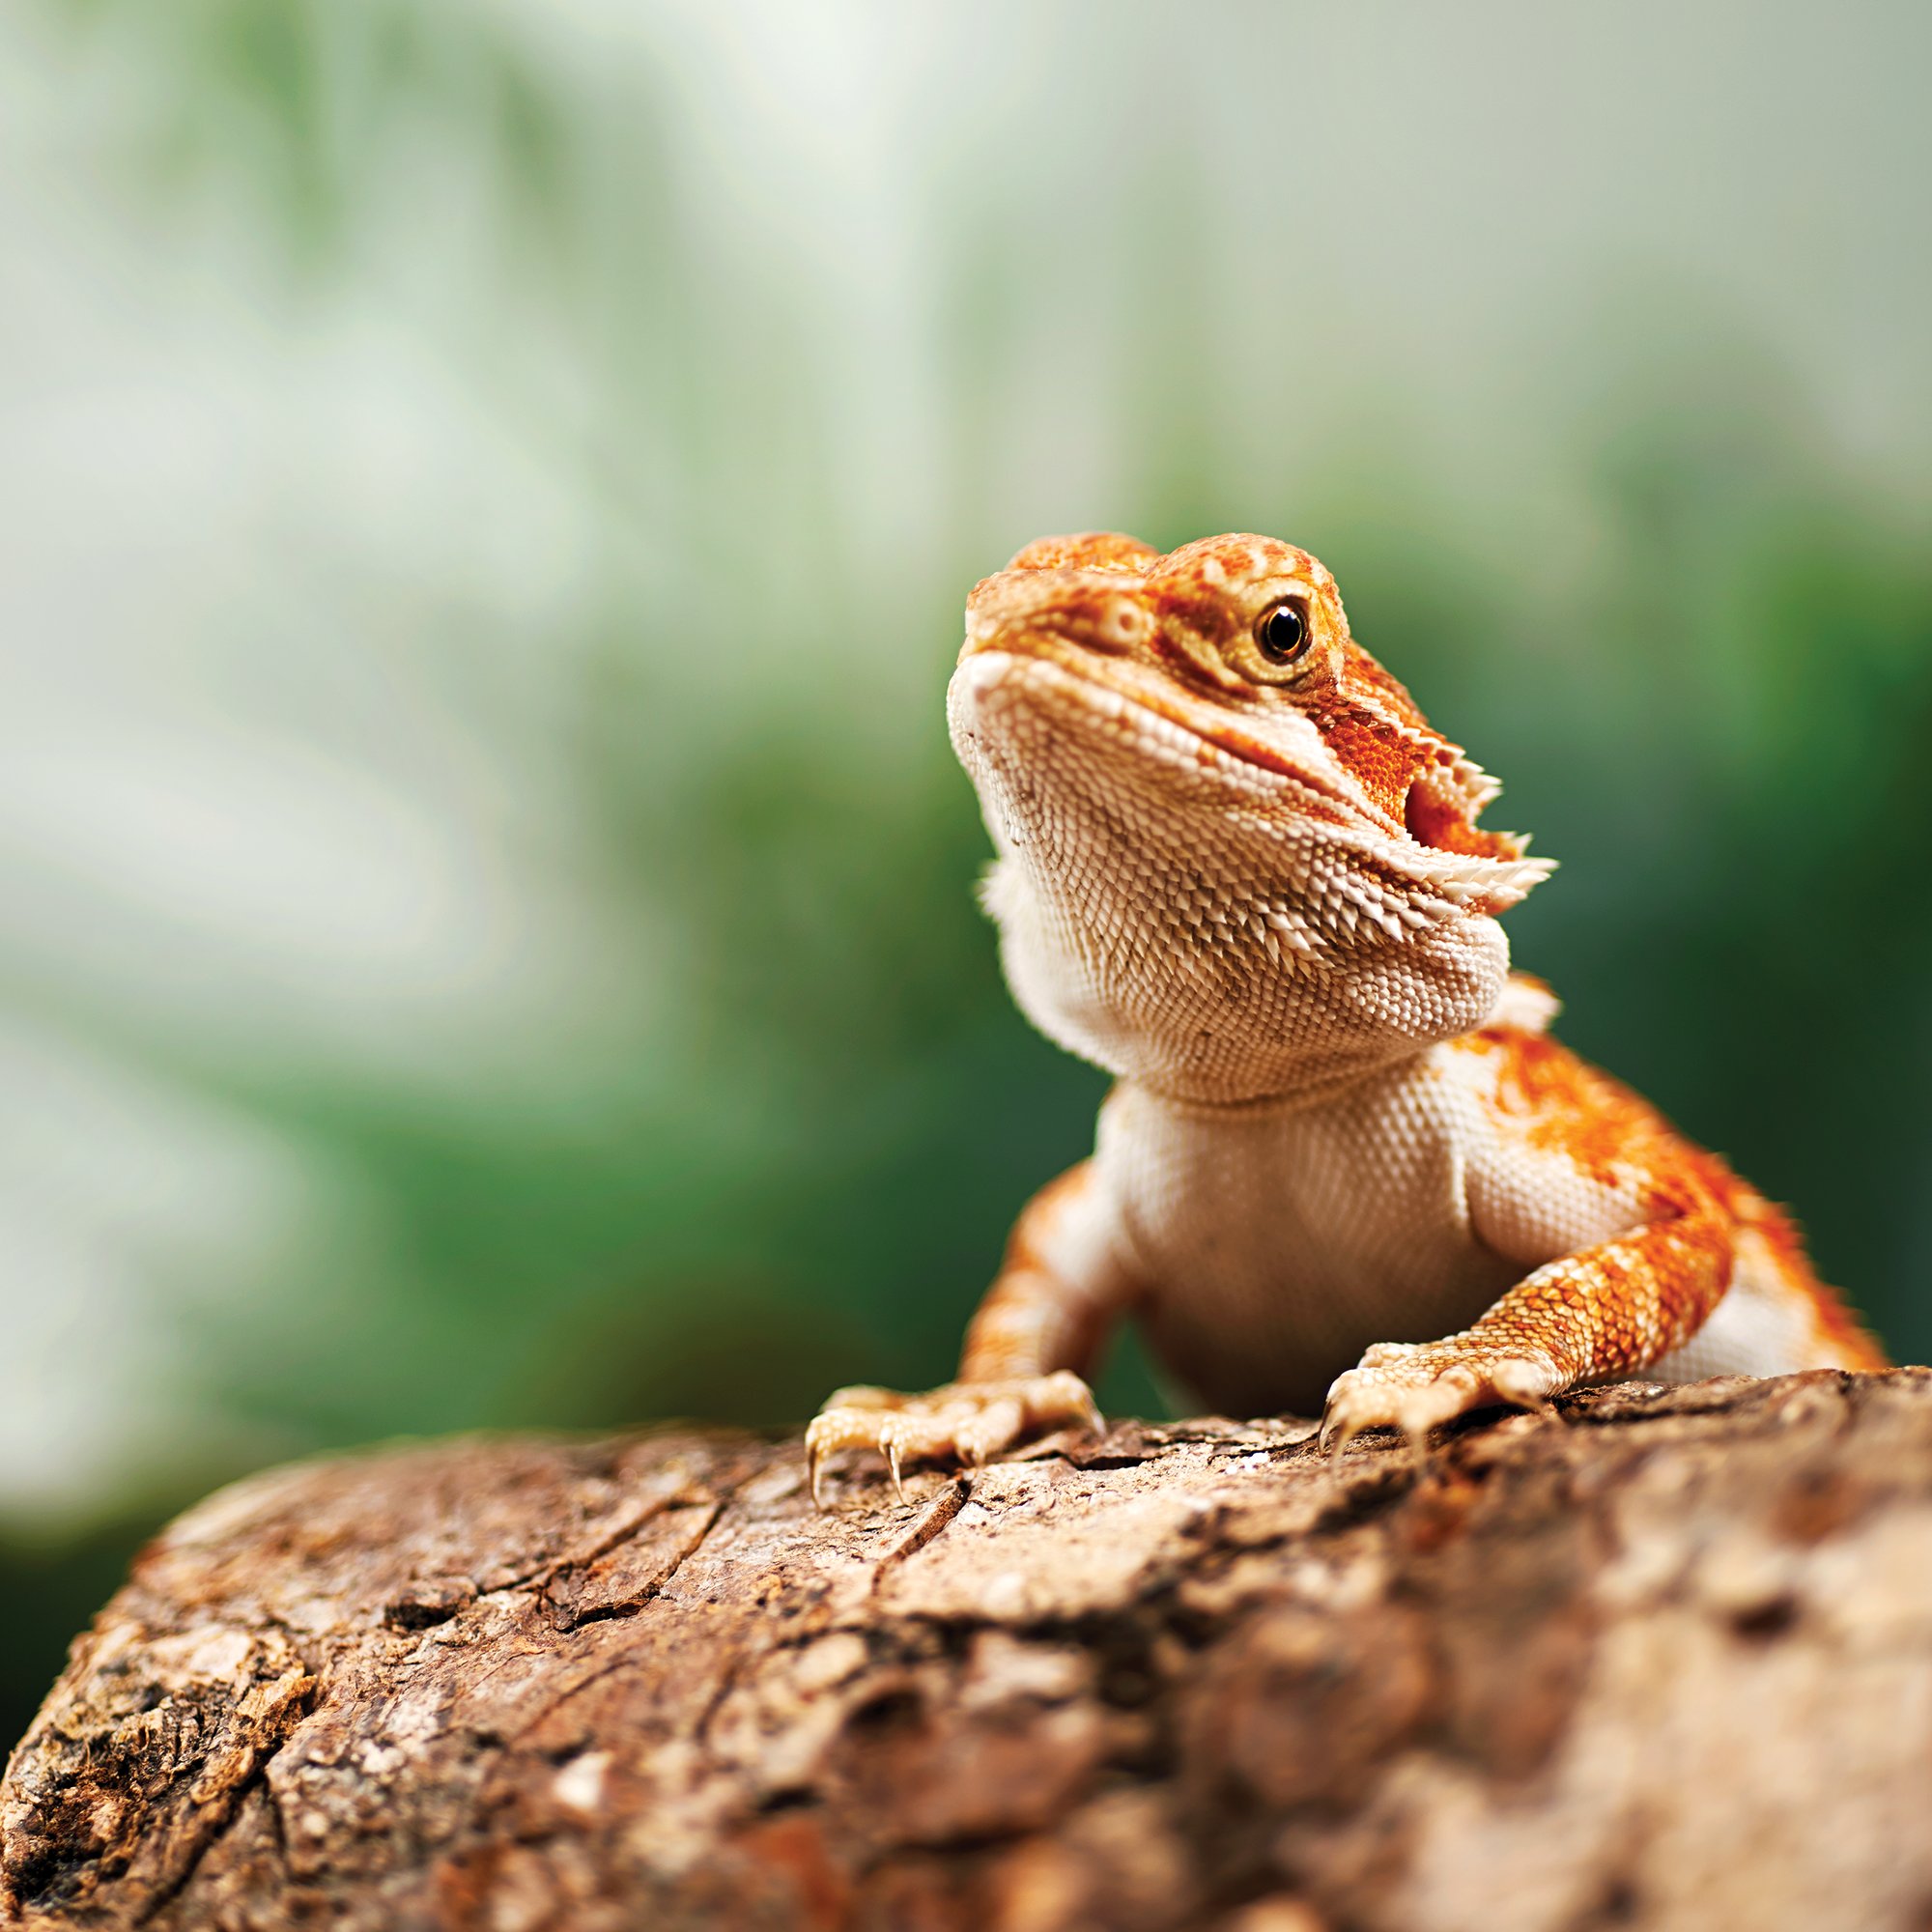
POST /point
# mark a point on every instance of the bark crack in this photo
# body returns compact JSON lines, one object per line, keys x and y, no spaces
{"x":223,"y":1816}
{"x":570,"y":1618}
{"x":928,"y":1523}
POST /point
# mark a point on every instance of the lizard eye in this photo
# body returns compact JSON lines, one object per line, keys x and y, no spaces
{"x":1281,"y":632}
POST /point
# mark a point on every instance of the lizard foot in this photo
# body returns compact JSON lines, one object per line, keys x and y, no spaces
{"x":963,"y":1422}
{"x":1414,"y":1385}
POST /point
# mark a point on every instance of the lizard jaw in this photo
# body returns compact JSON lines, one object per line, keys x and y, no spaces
{"x":1002,"y":689}
{"x":1046,"y":676}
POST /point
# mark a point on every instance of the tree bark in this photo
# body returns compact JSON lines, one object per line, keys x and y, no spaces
{"x":1662,"y":1658}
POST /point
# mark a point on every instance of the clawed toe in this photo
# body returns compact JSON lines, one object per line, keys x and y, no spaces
{"x":967,"y":1422}
{"x":1525,"y":1383}
{"x":838,"y":1425}
{"x":1417,"y":1388}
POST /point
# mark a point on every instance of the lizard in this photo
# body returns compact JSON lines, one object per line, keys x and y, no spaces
{"x":1344,"y":1161}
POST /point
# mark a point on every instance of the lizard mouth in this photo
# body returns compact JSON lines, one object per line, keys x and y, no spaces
{"x":1439,"y":810}
{"x":1435,"y":846}
{"x":1168,"y":731}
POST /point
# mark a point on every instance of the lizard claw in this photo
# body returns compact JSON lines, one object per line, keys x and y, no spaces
{"x":965,"y":1423}
{"x":1415,"y":1386}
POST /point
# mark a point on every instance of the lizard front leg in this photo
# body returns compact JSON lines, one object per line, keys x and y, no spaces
{"x":1605,"y":1311}
{"x":1026,"y":1349}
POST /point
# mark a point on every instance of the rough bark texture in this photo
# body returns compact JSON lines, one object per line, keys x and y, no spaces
{"x":1664,"y":1660}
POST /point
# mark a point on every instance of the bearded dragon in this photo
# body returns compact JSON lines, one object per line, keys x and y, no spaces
{"x":1344,"y":1161}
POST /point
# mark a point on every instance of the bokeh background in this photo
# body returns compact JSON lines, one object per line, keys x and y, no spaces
{"x":487,"y":488}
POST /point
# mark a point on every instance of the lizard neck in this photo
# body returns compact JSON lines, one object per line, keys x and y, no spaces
{"x":1218,"y":1019}
{"x":1303,"y":1096}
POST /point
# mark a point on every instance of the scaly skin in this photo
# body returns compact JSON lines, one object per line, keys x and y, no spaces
{"x":1238,"y":869}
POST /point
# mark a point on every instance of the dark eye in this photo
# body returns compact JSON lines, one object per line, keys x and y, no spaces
{"x":1282,"y":632}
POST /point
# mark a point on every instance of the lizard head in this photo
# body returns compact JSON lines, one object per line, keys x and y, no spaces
{"x":1235,"y":858}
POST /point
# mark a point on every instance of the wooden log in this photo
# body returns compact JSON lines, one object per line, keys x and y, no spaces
{"x":1662,"y":1658}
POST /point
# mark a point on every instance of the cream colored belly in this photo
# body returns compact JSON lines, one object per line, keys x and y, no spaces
{"x":1277,"y":1243}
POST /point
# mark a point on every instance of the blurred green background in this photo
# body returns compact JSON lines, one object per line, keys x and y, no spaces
{"x":487,"y":489}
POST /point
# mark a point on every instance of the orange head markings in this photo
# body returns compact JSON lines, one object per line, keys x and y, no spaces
{"x":1241,"y":642}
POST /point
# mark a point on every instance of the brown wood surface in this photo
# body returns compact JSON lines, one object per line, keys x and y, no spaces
{"x":1663,"y":1660}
